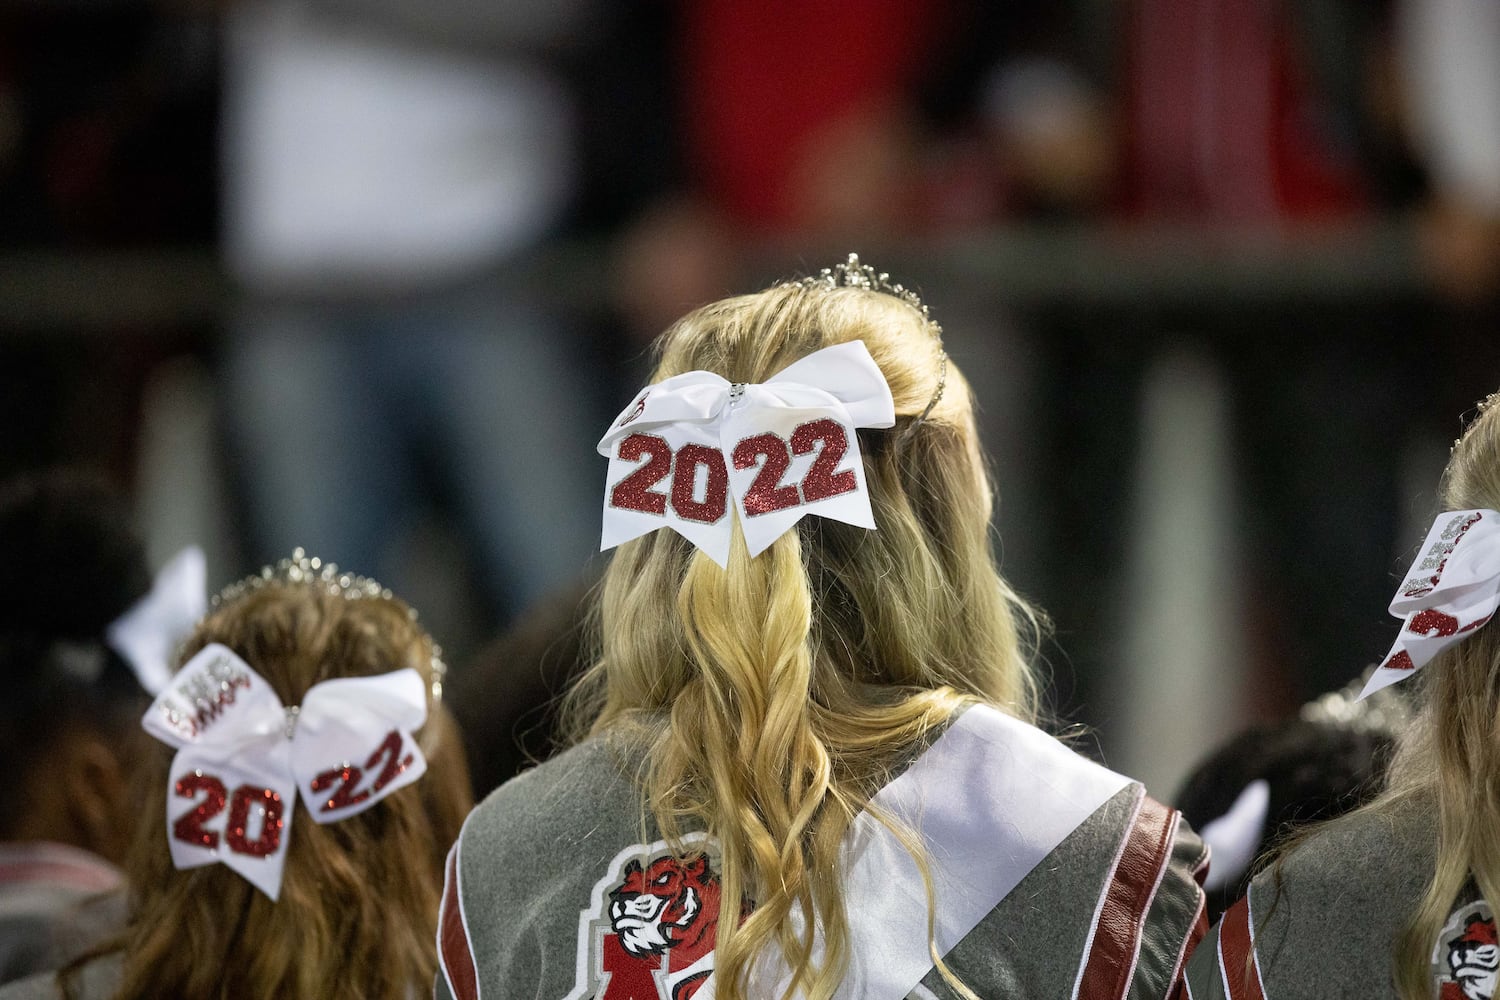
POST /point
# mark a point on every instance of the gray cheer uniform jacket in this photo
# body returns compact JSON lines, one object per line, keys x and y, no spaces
{"x":1053,"y":878}
{"x":1327,"y":917}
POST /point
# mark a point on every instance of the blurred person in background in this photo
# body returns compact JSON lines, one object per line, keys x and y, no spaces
{"x":1449,"y":60}
{"x":1233,"y":121}
{"x":508,"y":697}
{"x":303,"y":783}
{"x":894,"y":126}
{"x":1261,"y":787}
{"x":778,"y":132}
{"x":385,"y":166}
{"x":69,"y":716}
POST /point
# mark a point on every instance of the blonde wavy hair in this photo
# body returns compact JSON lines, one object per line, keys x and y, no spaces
{"x":774,"y":696}
{"x":357,"y":914}
{"x":1449,"y":756}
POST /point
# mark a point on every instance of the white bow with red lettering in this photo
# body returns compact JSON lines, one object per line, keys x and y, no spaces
{"x":242,"y":758}
{"x":1452,"y":588}
{"x":781,"y":449}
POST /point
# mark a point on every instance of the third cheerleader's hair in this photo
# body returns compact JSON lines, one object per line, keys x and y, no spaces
{"x":690,"y":450}
{"x":243,"y":757}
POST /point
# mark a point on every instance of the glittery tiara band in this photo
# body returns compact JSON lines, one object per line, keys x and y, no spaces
{"x":854,"y":274}
{"x":302,"y":569}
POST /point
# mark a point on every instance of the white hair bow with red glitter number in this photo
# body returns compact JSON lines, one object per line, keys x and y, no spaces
{"x":780,"y":449}
{"x":1452,"y":588}
{"x":243,"y":758}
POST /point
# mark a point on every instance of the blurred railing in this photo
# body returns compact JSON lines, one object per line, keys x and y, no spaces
{"x":99,"y":292}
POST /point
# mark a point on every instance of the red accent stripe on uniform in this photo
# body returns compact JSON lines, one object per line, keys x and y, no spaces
{"x":1241,"y":974}
{"x":1190,"y":944}
{"x":454,"y":950}
{"x":1200,"y":924}
{"x":1200,"y":928}
{"x":1117,"y":936}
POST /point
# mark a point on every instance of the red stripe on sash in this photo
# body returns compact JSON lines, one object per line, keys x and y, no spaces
{"x":1241,"y":975}
{"x":1200,"y":924}
{"x":1117,"y":935}
{"x":1200,"y":928}
{"x":453,"y":938}
{"x":1190,"y":944}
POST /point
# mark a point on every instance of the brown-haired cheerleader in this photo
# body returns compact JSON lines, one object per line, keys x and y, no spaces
{"x":804,"y":761}
{"x":1394,"y":899}
{"x":305,"y":783}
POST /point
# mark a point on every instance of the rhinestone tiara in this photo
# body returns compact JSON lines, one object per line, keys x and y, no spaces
{"x":312,"y":571}
{"x":302,"y":568}
{"x":852,"y":273}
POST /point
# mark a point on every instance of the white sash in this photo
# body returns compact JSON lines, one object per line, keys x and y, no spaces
{"x":989,"y":800}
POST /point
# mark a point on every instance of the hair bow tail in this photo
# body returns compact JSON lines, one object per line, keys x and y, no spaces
{"x":233,"y":808}
{"x":353,"y":743}
{"x":670,"y":475}
{"x":1451,"y":590}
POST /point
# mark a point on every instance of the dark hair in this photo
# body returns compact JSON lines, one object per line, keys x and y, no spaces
{"x":72,"y":564}
{"x":1314,"y":769}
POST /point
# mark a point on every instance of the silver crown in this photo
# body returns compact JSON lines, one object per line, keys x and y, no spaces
{"x":302,"y":569}
{"x":854,"y":274}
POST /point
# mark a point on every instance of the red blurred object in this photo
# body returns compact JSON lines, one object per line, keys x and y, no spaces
{"x":770,"y":86}
{"x":1223,"y":124}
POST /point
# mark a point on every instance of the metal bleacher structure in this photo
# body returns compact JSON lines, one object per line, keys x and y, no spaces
{"x":1017,"y":267}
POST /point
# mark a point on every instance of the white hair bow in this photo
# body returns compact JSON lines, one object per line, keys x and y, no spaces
{"x":781,"y":449}
{"x":1234,"y":837}
{"x":243,"y":758}
{"x":147,"y":635}
{"x":1452,"y":588}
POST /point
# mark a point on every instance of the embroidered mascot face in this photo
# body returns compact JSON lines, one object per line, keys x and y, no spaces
{"x":667,"y":904}
{"x":649,"y":930}
{"x":1474,"y":957}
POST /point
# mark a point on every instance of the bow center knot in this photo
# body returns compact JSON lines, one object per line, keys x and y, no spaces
{"x":292,"y":714}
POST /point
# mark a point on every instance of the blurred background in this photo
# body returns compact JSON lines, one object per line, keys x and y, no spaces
{"x":370,"y":278}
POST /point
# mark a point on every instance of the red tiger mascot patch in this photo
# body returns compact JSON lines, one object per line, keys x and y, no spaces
{"x":1466,"y":959}
{"x":649,"y":934}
